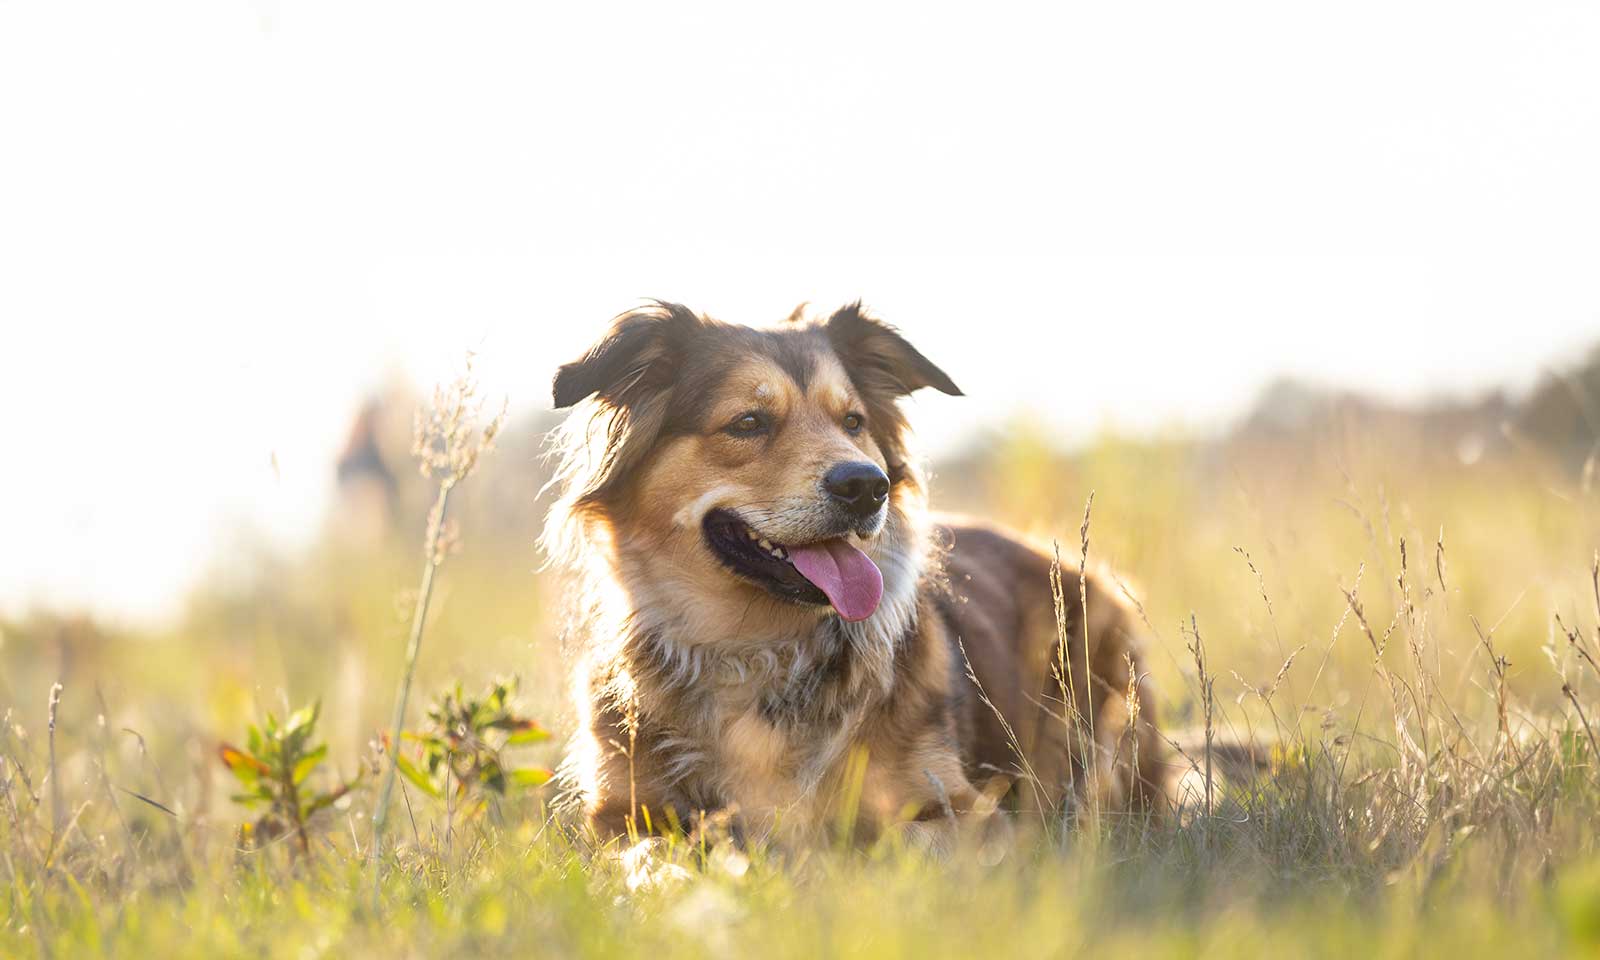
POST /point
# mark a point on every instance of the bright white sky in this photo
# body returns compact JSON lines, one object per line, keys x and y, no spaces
{"x":222,"y":222}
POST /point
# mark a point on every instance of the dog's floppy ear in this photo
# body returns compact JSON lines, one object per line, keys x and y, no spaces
{"x":635,"y":359}
{"x":878,"y":358}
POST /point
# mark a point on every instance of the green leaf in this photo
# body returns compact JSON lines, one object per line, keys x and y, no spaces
{"x":530,"y":776}
{"x":308,"y":763}
{"x":245,"y":766}
{"x":417,"y":777}
{"x":428,"y":740}
{"x":526,"y":731}
{"x":303,"y":719}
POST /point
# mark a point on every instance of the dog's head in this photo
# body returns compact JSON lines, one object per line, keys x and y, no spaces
{"x":758,"y":464}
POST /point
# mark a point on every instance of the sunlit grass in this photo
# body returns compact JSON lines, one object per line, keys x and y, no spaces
{"x":1416,"y":805}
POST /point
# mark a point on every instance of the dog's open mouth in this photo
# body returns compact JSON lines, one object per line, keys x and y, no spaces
{"x":828,"y":571}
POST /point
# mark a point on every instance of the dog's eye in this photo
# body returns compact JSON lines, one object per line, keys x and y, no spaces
{"x":747,"y":424}
{"x":853,"y":422}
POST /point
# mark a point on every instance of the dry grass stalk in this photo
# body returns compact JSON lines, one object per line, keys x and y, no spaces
{"x":1026,"y":772}
{"x":1594,"y":745}
{"x":448,"y":444}
{"x":1580,"y":648}
{"x":1197,"y":648}
{"x":1079,"y":718}
{"x":1132,"y":704}
{"x":1498,"y":665}
{"x":1261,"y":588}
{"x":1438,"y":567}
{"x":1071,"y":717}
{"x":57,"y":811}
{"x":1268,"y":693}
{"x":1083,"y":602}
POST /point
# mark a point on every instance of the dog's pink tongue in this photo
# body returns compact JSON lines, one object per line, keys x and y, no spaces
{"x":851,"y":580}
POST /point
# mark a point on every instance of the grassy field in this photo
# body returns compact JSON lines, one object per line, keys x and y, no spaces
{"x":1411,"y":630}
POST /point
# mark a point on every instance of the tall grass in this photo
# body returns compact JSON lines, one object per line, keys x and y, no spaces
{"x":1432,"y":785}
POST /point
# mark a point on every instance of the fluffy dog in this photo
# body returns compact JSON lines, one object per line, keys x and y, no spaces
{"x":774,"y":631}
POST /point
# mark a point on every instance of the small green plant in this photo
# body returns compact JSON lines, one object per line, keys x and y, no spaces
{"x":275,"y":768}
{"x":461,"y":752}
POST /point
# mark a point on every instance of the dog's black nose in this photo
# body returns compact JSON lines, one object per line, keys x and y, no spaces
{"x":860,"y":488}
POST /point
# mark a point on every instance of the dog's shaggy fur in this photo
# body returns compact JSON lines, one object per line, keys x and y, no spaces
{"x":711,"y":684}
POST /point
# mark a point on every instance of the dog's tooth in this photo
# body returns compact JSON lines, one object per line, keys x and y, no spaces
{"x":749,"y":533}
{"x":766,"y":544}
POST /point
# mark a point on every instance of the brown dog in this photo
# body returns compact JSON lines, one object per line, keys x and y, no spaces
{"x":774,"y":630}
